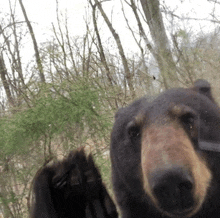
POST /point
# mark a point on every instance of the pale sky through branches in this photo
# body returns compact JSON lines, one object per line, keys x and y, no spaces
{"x":42,"y":13}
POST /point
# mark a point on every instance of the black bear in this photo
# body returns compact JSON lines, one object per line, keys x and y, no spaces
{"x":166,"y":157}
{"x":71,"y":188}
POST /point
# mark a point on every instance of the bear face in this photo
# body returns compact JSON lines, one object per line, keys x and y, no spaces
{"x":159,"y":168}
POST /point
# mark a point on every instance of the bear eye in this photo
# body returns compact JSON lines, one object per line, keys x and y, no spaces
{"x":188,"y":120}
{"x":133,"y":130}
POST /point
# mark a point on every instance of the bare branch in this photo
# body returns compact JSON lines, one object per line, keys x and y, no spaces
{"x":37,"y":55}
{"x":128,"y":74}
{"x":3,"y":74}
{"x":101,"y":50}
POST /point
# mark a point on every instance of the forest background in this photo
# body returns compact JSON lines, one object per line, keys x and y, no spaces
{"x":60,"y":88}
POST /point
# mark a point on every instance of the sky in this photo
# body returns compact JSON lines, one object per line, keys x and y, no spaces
{"x":42,"y":13}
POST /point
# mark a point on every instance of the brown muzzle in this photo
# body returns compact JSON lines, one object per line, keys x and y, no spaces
{"x":175,"y":176}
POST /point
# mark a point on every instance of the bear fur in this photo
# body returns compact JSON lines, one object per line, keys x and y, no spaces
{"x":71,"y":188}
{"x":159,"y":169}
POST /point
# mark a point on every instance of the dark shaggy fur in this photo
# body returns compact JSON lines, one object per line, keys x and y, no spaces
{"x":71,"y":188}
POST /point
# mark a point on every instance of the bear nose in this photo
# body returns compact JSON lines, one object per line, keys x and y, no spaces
{"x":173,"y":189}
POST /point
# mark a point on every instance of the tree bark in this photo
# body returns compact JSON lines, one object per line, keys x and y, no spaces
{"x":163,"y":52}
{"x":37,"y":55}
{"x":3,"y":73}
{"x":127,"y":72}
{"x":101,"y":50}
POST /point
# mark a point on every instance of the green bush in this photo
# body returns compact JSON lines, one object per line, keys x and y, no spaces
{"x":54,"y":111}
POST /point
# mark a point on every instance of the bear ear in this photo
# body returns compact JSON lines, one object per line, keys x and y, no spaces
{"x":203,"y":87}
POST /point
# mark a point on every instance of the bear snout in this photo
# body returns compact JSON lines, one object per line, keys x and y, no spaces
{"x":173,"y":189}
{"x":175,"y":177}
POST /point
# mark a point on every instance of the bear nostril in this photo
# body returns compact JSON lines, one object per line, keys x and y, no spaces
{"x":185,"y":186}
{"x":173,"y":189}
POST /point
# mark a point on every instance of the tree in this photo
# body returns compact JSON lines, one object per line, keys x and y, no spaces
{"x":162,"y":54}
{"x":127,"y":72}
{"x":37,"y":55}
{"x":3,"y":74}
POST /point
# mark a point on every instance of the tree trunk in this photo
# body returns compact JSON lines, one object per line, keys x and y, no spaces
{"x":101,"y":50}
{"x":127,"y":72}
{"x":37,"y":55}
{"x":163,"y":55}
{"x":3,"y":73}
